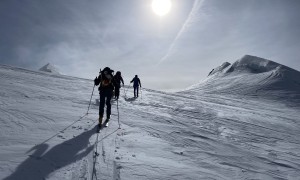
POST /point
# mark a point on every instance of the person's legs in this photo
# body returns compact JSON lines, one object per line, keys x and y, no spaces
{"x":137,"y":91}
{"x":117,"y":92}
{"x":134,"y":90}
{"x":101,"y":107}
{"x":108,"y":105}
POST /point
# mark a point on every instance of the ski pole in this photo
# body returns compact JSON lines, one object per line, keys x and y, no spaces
{"x":124,"y":90}
{"x":141,"y":94}
{"x":118,"y":114}
{"x":90,"y":100}
{"x":127,"y":89}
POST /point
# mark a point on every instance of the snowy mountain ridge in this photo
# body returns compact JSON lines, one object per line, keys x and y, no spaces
{"x":253,"y":76}
{"x":232,"y":126}
{"x":251,"y":64}
{"x":50,"y":69}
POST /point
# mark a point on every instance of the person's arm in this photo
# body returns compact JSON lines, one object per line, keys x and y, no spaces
{"x":114,"y":80}
{"x":131,"y":81}
{"x":122,"y":80}
{"x":97,"y":81}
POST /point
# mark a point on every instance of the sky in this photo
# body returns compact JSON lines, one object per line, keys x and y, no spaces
{"x":167,"y":52}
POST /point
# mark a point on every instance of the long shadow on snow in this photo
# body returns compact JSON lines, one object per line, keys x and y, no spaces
{"x":42,"y":162}
{"x":130,"y":99}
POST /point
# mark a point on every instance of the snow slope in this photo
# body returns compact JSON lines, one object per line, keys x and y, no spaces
{"x":238,"y":124}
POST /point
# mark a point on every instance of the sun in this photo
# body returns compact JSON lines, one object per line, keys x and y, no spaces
{"x":161,"y":7}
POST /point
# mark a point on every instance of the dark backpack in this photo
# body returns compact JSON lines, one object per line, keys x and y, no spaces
{"x":106,"y":79}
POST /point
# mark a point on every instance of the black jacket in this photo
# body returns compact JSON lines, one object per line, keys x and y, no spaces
{"x":136,"y":82}
{"x":117,"y":81}
{"x":100,"y":81}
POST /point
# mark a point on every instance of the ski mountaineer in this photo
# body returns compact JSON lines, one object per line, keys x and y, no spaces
{"x":106,"y":88}
{"x":136,"y":83}
{"x":117,"y":83}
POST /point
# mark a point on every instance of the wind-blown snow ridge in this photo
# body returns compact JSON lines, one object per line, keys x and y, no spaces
{"x":49,"y":68}
{"x":253,"y":76}
{"x":251,"y":64}
{"x":254,"y":64}
{"x":219,"y":69}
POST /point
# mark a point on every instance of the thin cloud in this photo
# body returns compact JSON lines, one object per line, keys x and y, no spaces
{"x":189,"y":21}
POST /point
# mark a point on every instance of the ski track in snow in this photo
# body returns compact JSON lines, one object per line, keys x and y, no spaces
{"x":194,"y":134}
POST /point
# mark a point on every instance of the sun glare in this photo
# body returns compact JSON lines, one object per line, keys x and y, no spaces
{"x":161,"y":7}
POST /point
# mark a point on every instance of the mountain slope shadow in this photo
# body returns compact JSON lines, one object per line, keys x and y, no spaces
{"x":42,"y":162}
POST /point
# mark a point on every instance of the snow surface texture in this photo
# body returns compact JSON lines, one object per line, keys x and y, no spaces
{"x":50,"y":69}
{"x":241,"y":123}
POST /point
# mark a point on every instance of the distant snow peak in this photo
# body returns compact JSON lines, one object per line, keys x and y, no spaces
{"x":253,"y":64}
{"x":50,"y":68}
{"x":253,"y":76}
{"x":249,"y":64}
